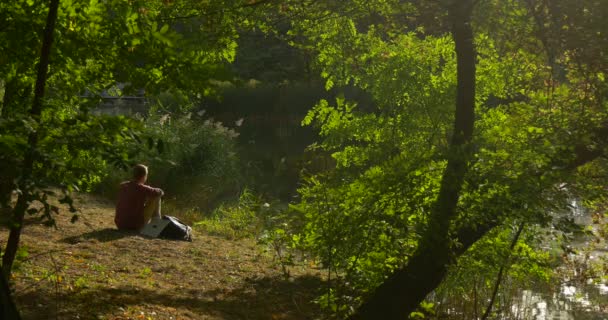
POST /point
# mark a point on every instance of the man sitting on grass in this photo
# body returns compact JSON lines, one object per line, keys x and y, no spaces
{"x":137,"y":202}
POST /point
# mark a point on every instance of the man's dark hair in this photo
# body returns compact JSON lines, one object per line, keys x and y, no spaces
{"x":139,"y":171}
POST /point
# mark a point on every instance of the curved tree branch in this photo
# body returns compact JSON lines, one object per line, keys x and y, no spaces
{"x":402,"y":293}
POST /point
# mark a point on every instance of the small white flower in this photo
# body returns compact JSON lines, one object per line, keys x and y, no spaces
{"x":163,"y":119}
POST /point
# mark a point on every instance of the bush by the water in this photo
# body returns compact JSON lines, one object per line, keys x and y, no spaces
{"x":193,"y":159}
{"x":236,"y":220}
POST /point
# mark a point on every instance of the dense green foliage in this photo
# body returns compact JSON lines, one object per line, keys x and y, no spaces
{"x":366,"y":217}
{"x":97,"y":44}
{"x":88,"y":48}
{"x":537,"y":128}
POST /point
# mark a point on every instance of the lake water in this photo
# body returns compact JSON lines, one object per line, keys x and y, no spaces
{"x":580,"y":299}
{"x":571,"y":303}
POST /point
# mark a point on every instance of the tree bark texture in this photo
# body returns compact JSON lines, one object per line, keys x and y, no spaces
{"x":403,"y":291}
{"x":30,"y":157}
{"x":8,"y":310}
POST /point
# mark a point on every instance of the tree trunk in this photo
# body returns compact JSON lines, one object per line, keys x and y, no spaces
{"x":402,"y":292}
{"x":8,"y":310}
{"x":30,"y":157}
{"x":6,"y":180}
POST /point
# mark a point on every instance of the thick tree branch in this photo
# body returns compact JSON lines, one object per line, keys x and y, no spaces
{"x":402,"y":293}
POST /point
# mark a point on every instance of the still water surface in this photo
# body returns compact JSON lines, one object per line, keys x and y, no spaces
{"x":586,"y":300}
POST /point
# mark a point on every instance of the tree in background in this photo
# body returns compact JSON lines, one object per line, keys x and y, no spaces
{"x":476,"y":128}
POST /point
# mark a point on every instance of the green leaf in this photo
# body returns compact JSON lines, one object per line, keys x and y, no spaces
{"x":164,"y":29}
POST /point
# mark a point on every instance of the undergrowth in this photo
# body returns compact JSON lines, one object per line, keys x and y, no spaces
{"x":236,"y":220}
{"x":274,"y":226}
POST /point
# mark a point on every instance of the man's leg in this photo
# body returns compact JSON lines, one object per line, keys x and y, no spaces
{"x":152,"y":209}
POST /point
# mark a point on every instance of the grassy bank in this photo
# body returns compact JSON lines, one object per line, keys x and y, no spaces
{"x":88,"y":270}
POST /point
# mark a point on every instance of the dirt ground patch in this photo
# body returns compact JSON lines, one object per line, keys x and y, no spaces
{"x":89,"y":270}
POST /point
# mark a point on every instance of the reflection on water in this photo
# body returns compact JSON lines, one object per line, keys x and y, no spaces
{"x":570,"y":303}
{"x":577,"y":289}
{"x":583,"y":299}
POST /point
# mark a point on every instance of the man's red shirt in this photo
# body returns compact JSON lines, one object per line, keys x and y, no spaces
{"x":132,"y":198}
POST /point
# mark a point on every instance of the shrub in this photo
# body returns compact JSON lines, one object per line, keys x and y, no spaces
{"x":239,"y":220}
{"x":194,"y":160}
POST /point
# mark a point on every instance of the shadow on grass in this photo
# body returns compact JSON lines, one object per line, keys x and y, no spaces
{"x":103,"y":235}
{"x":264,"y":298}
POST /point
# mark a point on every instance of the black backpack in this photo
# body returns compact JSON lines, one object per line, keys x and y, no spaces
{"x":176,"y":230}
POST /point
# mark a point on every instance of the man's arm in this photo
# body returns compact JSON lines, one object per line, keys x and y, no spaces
{"x":152,"y":192}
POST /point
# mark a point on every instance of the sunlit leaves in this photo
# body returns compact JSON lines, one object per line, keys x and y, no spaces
{"x":99,"y":46}
{"x":531,"y":117}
